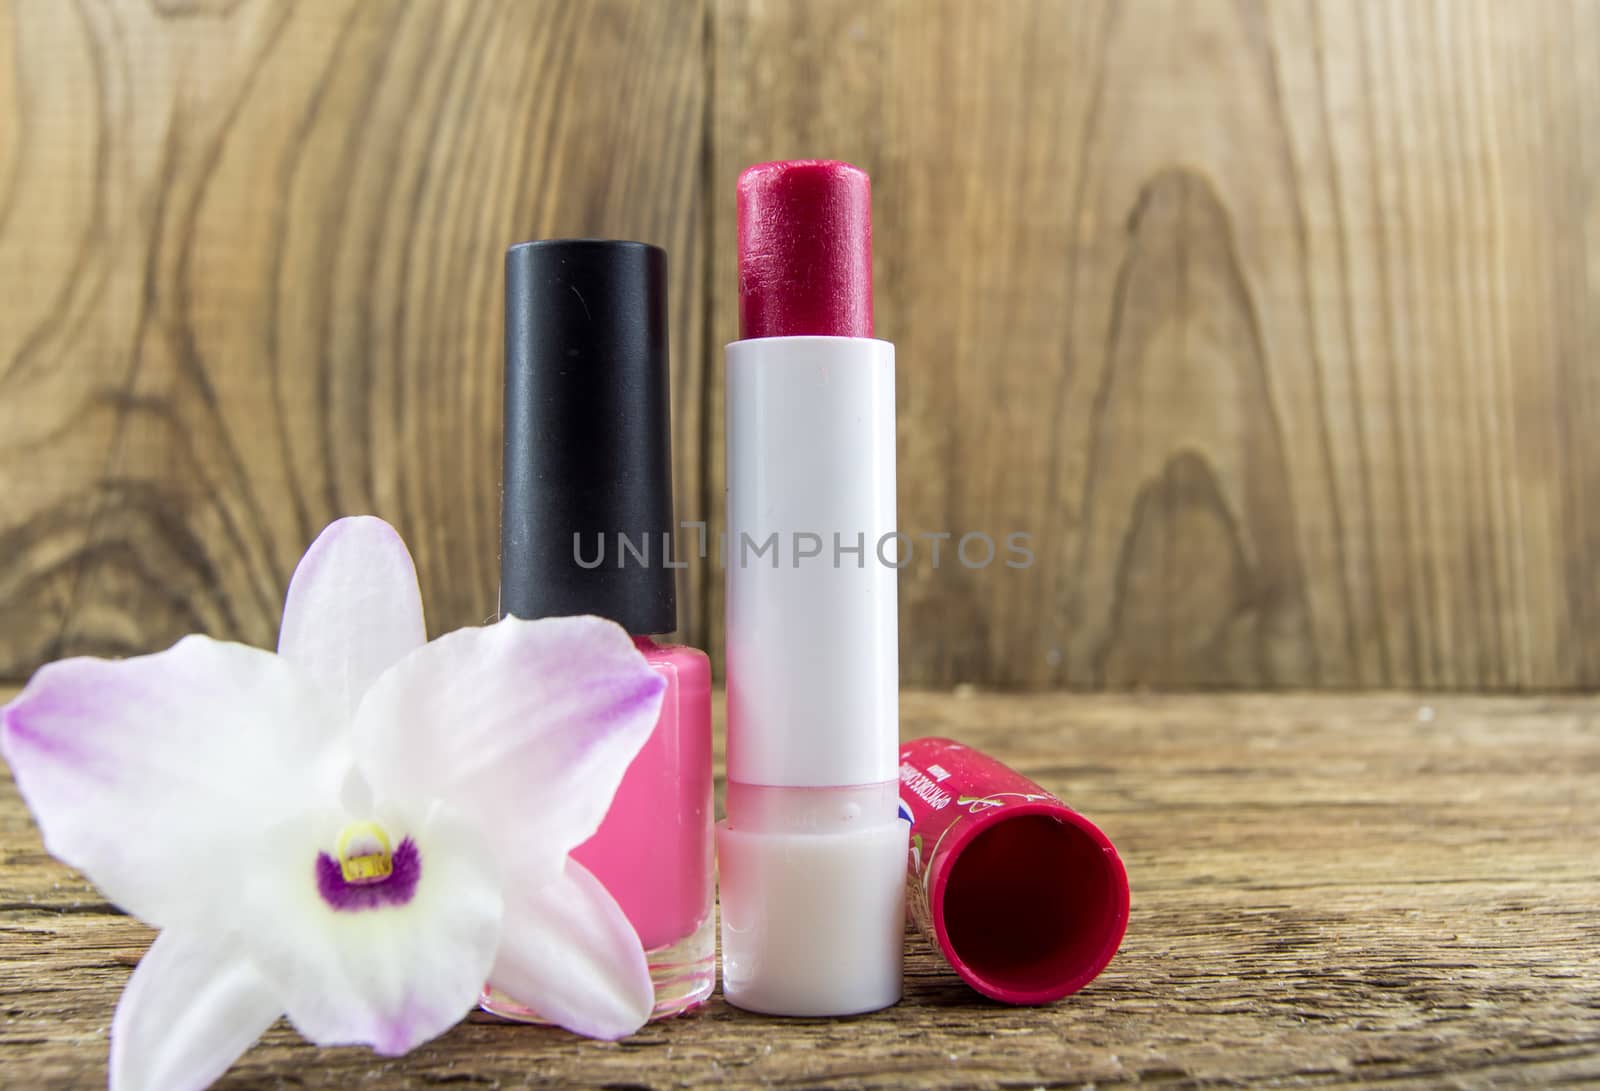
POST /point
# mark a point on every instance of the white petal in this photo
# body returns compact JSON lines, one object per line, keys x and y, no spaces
{"x":353,"y":608}
{"x":147,"y":774}
{"x":390,"y":976}
{"x":524,"y":726}
{"x":190,"y":1009}
{"x":567,"y":952}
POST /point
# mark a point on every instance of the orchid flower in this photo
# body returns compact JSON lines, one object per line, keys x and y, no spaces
{"x":359,"y":831}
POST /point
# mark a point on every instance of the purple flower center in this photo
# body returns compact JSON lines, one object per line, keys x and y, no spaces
{"x":396,"y":888}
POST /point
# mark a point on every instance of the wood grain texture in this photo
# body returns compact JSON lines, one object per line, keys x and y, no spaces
{"x":1327,"y":891}
{"x":1274,"y":324}
{"x":250,"y":263}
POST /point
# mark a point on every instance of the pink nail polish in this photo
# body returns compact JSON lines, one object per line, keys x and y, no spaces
{"x":586,"y":528}
{"x":653,"y":852}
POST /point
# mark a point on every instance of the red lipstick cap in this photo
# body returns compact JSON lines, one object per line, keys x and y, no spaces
{"x":1025,"y":898}
{"x":805,"y":250}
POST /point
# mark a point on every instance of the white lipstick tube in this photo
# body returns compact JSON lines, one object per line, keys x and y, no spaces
{"x":812,"y":854}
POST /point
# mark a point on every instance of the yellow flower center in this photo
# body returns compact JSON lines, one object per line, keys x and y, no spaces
{"x":364,"y":854}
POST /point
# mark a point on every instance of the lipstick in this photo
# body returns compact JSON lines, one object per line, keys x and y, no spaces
{"x":805,"y":250}
{"x":812,"y":856}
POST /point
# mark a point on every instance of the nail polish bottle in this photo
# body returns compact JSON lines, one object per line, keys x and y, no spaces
{"x":587,"y":528}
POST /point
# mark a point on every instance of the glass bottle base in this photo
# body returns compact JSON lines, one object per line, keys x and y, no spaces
{"x":683,"y":973}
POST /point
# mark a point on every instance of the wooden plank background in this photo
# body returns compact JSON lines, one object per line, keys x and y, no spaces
{"x":1274,"y":324}
{"x":1329,"y":891}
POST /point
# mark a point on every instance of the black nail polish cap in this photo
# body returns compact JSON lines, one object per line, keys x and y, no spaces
{"x":588,"y":448}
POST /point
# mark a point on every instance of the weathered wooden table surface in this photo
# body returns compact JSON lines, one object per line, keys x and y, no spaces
{"x":1327,"y":890}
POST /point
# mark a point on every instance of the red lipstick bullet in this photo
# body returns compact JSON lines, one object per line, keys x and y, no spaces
{"x":805,"y":250}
